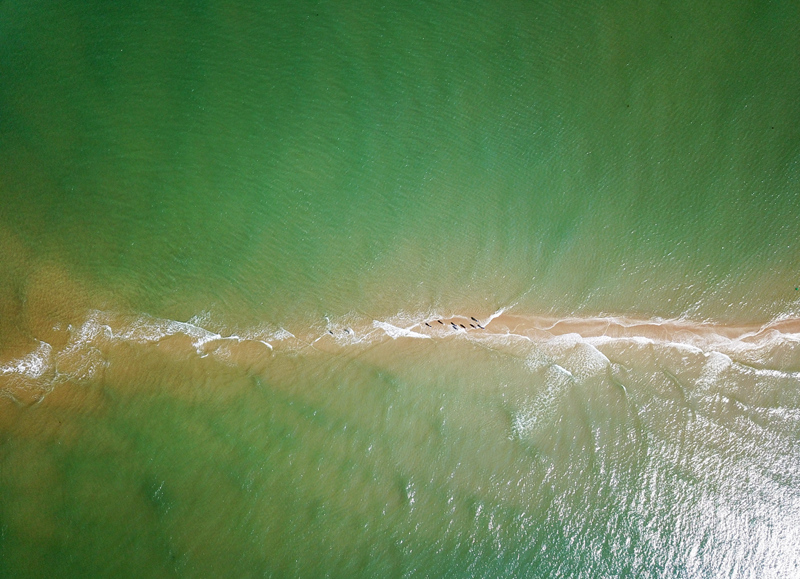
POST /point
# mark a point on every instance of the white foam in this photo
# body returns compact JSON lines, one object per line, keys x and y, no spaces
{"x":586,"y":361}
{"x":497,"y":314}
{"x":201,"y":319}
{"x":395,"y":332}
{"x":237,"y":339}
{"x":559,"y":373}
{"x":78,"y":363}
{"x":147,"y":329}
{"x":523,"y":423}
{"x":33,"y":365}
{"x":562,"y":359}
{"x":537,"y":360}
{"x":282,"y":334}
{"x":530,"y":420}
{"x":770,"y":373}
{"x":715,"y":364}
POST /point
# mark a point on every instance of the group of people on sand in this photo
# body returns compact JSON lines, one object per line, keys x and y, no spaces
{"x":474,"y":326}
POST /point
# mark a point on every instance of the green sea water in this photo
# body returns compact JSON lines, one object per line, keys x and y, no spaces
{"x":224,"y":224}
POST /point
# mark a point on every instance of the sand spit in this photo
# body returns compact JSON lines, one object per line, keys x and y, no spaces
{"x":97,"y":348}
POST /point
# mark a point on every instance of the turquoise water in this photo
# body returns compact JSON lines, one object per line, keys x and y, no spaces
{"x":224,"y":227}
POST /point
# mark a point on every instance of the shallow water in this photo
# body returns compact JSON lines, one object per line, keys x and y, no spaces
{"x":460,"y":454}
{"x":224,"y":229}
